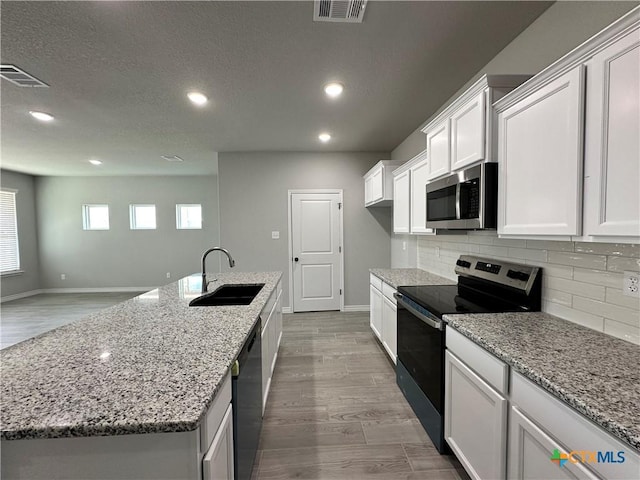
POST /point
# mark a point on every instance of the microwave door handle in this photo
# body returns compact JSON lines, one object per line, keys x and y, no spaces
{"x":458,"y":201}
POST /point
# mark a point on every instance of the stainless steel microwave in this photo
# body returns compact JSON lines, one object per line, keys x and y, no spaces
{"x":465,"y":200}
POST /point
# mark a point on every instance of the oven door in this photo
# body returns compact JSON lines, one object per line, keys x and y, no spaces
{"x":420,"y":366}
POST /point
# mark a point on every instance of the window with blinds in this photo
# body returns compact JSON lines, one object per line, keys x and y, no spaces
{"x":9,"y":254}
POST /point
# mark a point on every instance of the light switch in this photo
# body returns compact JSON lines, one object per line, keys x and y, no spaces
{"x":275,"y":235}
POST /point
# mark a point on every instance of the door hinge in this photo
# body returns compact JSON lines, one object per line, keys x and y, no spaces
{"x":340,"y":291}
{"x":340,"y":249}
{"x":339,"y":205}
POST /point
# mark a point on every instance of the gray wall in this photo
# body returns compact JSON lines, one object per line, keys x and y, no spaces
{"x":253,"y":203}
{"x":27,"y":234}
{"x":561,"y":28}
{"x":121,"y":257}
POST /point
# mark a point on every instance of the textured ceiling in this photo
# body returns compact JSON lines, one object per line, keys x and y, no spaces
{"x":119,"y":73}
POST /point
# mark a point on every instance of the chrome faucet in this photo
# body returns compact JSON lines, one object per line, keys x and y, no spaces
{"x":232,"y":264}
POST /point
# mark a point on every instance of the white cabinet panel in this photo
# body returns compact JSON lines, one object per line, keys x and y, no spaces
{"x":530,"y":452}
{"x":438,"y":150}
{"x":389,"y":327}
{"x":612,"y":149}
{"x":475,"y":422}
{"x":375,"y":310}
{"x":540,"y":152}
{"x":217,"y":463}
{"x":419,"y":178}
{"x":401,"y":202}
{"x":468,"y":133}
{"x":377,"y":186}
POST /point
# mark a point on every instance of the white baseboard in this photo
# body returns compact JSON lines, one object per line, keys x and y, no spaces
{"x":356,"y":308}
{"x":17,"y":296}
{"x":97,"y":290}
{"x":287,"y":310}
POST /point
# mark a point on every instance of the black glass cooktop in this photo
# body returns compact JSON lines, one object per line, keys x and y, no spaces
{"x":449,"y":299}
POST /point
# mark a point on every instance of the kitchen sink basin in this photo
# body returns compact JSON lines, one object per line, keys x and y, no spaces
{"x":228,"y":295}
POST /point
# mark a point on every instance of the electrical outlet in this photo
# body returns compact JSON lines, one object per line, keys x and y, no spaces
{"x":631,"y":284}
{"x":168,"y":274}
{"x":404,"y":245}
{"x":63,"y":276}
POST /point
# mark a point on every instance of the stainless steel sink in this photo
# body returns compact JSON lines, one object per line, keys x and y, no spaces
{"x":240,"y":294}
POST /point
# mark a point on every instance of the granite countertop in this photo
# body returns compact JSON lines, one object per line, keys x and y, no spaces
{"x":594,"y":373}
{"x":151,"y":364}
{"x":398,"y":277}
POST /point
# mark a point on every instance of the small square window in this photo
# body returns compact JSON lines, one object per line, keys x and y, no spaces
{"x":95,"y":217}
{"x":189,"y":216}
{"x":142,"y":217}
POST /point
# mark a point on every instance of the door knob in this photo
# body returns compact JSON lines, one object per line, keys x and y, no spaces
{"x":295,"y":259}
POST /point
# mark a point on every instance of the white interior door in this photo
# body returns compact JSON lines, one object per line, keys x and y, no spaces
{"x":316,"y":251}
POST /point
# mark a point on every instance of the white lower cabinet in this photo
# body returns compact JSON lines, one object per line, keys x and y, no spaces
{"x":475,"y":424}
{"x":531,"y":449}
{"x":271,"y":335}
{"x":217,"y":463}
{"x":383,"y":315}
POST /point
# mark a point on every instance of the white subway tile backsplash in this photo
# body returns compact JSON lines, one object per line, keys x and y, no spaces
{"x":494,"y":251}
{"x":561,"y":271}
{"x":618,"y":249}
{"x":598,"y":277}
{"x":481,"y":239}
{"x":622,"y":330}
{"x":614,"y":312}
{"x":575,"y":316}
{"x":509,"y":242}
{"x":620,"y":264}
{"x":616,"y":297}
{"x":583,"y":260}
{"x":573,"y":287}
{"x":556,"y":296}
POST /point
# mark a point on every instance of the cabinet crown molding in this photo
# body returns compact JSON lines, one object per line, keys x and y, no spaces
{"x":410,"y":163}
{"x":575,"y":57}
{"x":484,"y":82}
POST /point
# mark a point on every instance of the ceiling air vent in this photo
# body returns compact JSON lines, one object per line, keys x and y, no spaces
{"x":20,"y":77}
{"x":171,"y":158}
{"x":351,"y":11}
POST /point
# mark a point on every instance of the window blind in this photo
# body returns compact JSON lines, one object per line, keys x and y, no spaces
{"x":9,"y":254}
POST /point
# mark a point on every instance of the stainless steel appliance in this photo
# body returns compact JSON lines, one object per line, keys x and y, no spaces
{"x":465,"y":200}
{"x":484,"y":286}
{"x":247,"y":404}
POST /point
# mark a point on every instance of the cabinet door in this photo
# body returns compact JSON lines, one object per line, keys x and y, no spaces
{"x":375,"y":310}
{"x":419,"y":177}
{"x":377,"y":185}
{"x":273,"y":341}
{"x":401,"y":202}
{"x":612,"y":149}
{"x":389,"y":327}
{"x":266,"y":363}
{"x":278,"y":321}
{"x":531,"y":451}
{"x":468,"y":133}
{"x":540,"y":153}
{"x":475,"y":421}
{"x":438,"y":150}
{"x":368,"y":187}
{"x":217,"y":463}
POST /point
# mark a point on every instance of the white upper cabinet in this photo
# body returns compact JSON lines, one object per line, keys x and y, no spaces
{"x":540,"y":154}
{"x":568,"y":144}
{"x":439,"y":150}
{"x":419,"y":178}
{"x":612,"y":144}
{"x":468,"y":133}
{"x":401,"y":200}
{"x":463,"y":133}
{"x":378,"y":187}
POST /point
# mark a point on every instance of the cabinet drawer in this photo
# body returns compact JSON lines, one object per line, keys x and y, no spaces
{"x":492,"y":370}
{"x":388,"y":291}
{"x":375,"y":281}
{"x":215,"y":414}
{"x":572,"y":430}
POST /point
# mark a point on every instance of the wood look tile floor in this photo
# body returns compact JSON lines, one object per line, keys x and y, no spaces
{"x":335,"y":411}
{"x":31,"y":316}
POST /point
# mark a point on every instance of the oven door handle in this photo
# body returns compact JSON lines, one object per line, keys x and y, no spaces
{"x":437,"y":324}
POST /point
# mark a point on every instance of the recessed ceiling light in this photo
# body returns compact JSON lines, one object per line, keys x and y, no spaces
{"x":95,"y":162}
{"x":333,"y":89}
{"x":43,"y":117}
{"x":197,"y":98}
{"x":324,"y":137}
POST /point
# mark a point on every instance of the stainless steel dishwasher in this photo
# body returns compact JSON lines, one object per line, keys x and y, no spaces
{"x":247,"y":404}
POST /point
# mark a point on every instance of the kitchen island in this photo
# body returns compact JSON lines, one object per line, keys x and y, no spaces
{"x":145,"y":371}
